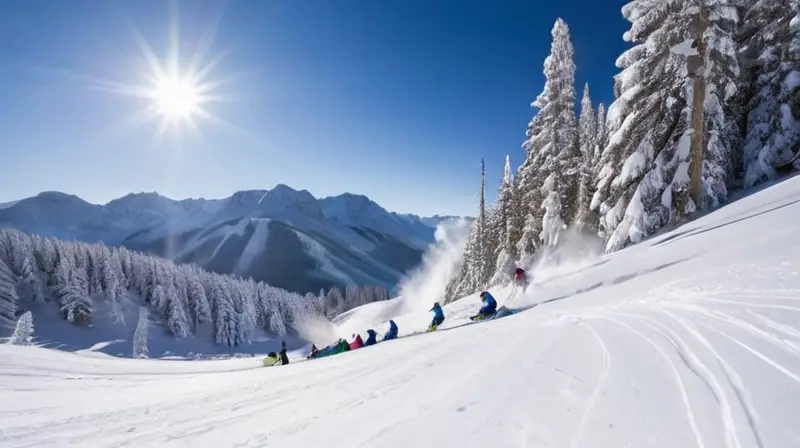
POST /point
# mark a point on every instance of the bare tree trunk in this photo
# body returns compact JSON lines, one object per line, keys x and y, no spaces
{"x":696,"y":69}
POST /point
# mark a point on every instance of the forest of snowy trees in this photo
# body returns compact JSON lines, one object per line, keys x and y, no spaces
{"x":38,"y":271}
{"x":708,"y":98}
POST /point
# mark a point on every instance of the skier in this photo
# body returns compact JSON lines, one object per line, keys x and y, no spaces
{"x":372,"y":339}
{"x":392,"y":333}
{"x":271,"y":359}
{"x":284,"y":357}
{"x":520,"y":278}
{"x":357,"y":342}
{"x":489,"y":306}
{"x":438,"y":316}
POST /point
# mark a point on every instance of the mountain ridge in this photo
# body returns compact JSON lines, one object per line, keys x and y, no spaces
{"x":286,"y":237}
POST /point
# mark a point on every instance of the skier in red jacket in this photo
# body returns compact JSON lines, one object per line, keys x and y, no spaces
{"x":357,"y":342}
{"x":520,"y":278}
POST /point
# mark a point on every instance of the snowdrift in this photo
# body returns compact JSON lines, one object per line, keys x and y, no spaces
{"x":691,"y":339}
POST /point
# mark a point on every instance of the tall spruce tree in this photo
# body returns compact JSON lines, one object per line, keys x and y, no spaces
{"x":476,"y":266}
{"x":504,"y":211}
{"x":644,"y":180}
{"x":770,"y":131}
{"x":549,"y":176}
{"x":587,"y":128}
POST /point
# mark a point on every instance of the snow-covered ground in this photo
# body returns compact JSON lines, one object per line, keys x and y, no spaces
{"x":691,"y":339}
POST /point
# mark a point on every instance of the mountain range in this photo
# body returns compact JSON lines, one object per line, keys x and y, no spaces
{"x":284,"y":237}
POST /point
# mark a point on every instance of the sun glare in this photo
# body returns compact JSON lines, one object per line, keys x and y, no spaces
{"x":177,"y":91}
{"x":177,"y":98}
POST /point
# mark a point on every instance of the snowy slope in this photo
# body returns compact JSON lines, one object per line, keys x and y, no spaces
{"x":691,"y":339}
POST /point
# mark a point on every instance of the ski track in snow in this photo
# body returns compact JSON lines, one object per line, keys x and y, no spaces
{"x":644,"y":348}
{"x":598,"y":388}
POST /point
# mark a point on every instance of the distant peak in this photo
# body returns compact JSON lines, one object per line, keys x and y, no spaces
{"x":143,"y":194}
{"x":57,"y":196}
{"x":358,"y":199}
{"x":285,"y":194}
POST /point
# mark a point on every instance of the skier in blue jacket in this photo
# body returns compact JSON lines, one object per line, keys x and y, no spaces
{"x":392,"y":333}
{"x":372,"y":339}
{"x":438,"y":316}
{"x":489,"y":306}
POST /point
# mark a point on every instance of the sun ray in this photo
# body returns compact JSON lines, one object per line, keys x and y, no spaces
{"x":176,"y":88}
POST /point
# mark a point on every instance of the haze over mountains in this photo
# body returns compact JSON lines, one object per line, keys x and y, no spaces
{"x":285,"y":237}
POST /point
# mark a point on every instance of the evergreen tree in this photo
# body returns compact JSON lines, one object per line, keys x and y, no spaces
{"x":477,"y":266}
{"x":771,"y":133}
{"x":602,"y":135}
{"x":8,"y":294}
{"x":553,"y":155}
{"x":74,"y":302}
{"x":644,"y":179}
{"x":504,"y":231}
{"x":196,"y":295}
{"x":23,"y":333}
{"x":177,"y":320}
{"x":484,"y":262}
{"x":140,"y":349}
{"x":587,"y":126}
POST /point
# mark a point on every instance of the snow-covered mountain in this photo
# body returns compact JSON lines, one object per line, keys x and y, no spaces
{"x":688,"y":339}
{"x":7,"y":204}
{"x":285,"y":237}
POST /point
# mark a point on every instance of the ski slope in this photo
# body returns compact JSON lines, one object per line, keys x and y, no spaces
{"x":691,"y":339}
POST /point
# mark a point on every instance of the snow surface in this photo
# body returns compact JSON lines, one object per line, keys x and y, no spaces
{"x":689,"y":339}
{"x":254,"y":246}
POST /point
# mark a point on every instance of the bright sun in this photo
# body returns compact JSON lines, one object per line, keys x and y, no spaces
{"x":177,"y":93}
{"x":176,"y":98}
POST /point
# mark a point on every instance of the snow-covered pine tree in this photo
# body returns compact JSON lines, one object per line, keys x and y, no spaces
{"x":552,"y":146}
{"x":112,"y":284}
{"x":771,"y":133}
{"x":505,"y":211}
{"x":494,"y":234}
{"x":71,"y":289}
{"x":8,"y":293}
{"x":225,"y":326}
{"x":602,"y":135}
{"x":587,"y":128}
{"x":276,"y":324}
{"x":140,"y":349}
{"x":23,"y":333}
{"x":21,"y":261}
{"x":476,"y":267}
{"x":177,"y":316}
{"x":643,"y":183}
{"x":196,"y":295}
{"x":484,"y":256}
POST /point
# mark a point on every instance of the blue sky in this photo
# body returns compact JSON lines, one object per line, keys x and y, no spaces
{"x":395,"y":100}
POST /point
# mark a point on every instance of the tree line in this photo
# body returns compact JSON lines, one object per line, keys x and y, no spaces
{"x":74,"y":276}
{"x":707,"y":99}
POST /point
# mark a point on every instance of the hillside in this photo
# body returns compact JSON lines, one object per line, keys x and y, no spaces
{"x":688,"y":339}
{"x":282,"y":236}
{"x":93,"y":297}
